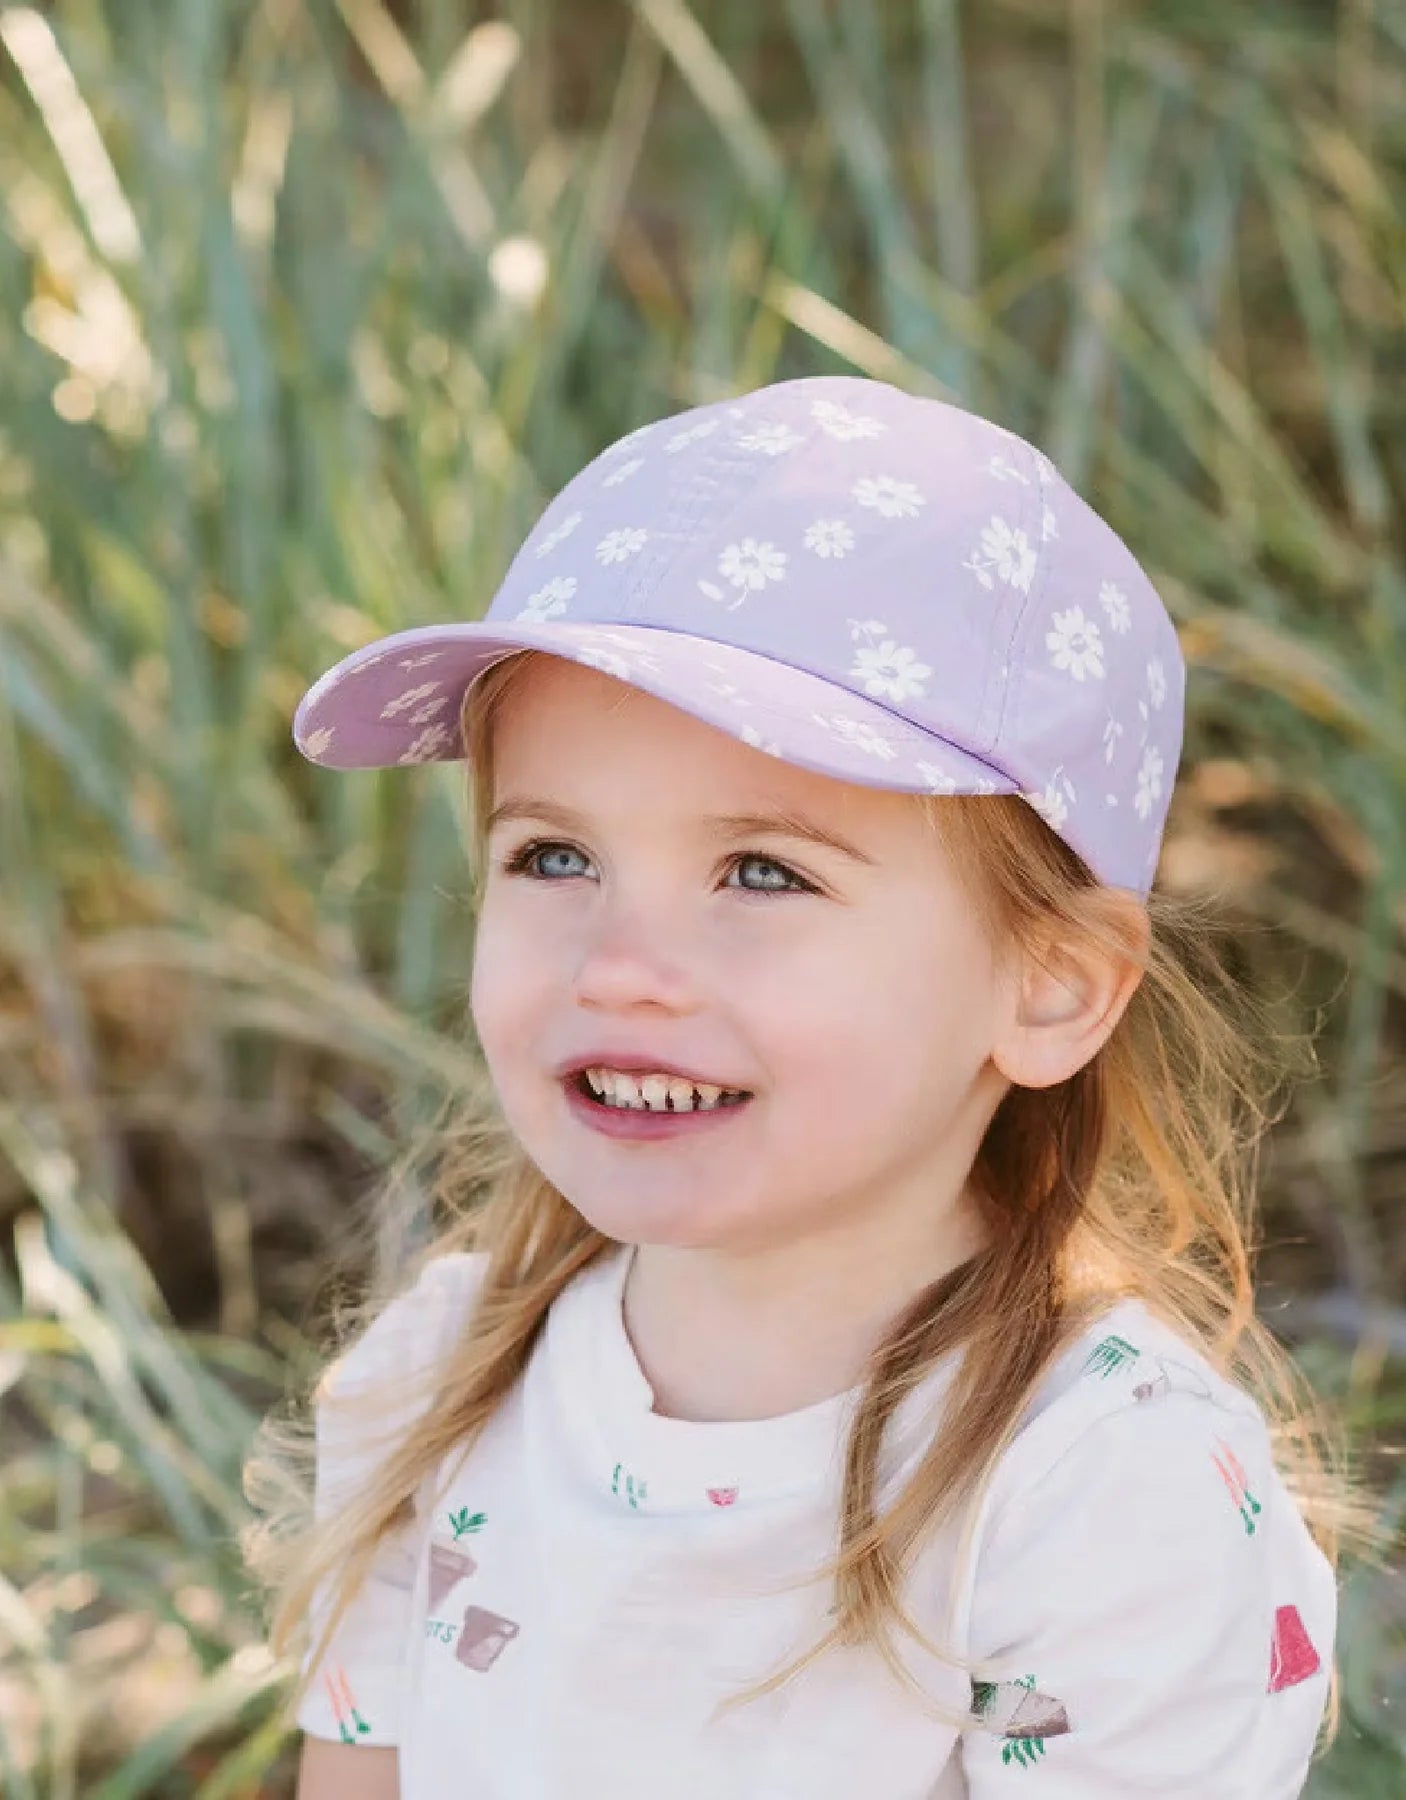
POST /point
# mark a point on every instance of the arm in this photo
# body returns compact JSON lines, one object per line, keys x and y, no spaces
{"x":1160,"y":1621}
{"x":331,"y":1771}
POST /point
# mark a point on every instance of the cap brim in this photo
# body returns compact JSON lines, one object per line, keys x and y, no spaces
{"x":398,"y":700}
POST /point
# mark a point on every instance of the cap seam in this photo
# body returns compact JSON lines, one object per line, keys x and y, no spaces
{"x":1037,"y":591}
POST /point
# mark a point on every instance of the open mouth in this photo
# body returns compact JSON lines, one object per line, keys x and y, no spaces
{"x":726,"y":1098}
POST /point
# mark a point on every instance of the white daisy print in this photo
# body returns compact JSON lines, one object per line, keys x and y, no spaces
{"x":412,"y":697}
{"x":619,"y":546}
{"x":1005,"y":471}
{"x":771,"y":438}
{"x":829,"y":537}
{"x":888,"y":496}
{"x":426,"y":746}
{"x":750,"y":735}
{"x":938,"y":780}
{"x":857,"y":732}
{"x":549,"y":600}
{"x":728,"y":690}
{"x":624,"y":472}
{"x":559,"y":533}
{"x":418,"y":662}
{"x":316,"y":742}
{"x":1049,"y":524}
{"x":1053,"y":803}
{"x":890,"y":672}
{"x":985,"y":785}
{"x":1156,"y":681}
{"x":1149,"y":781}
{"x":1115,"y":603}
{"x":606,"y":660}
{"x":867,"y":628}
{"x":839,"y":422}
{"x":1112,"y":731}
{"x":1006,"y":549}
{"x":1074,"y":644}
{"x":750,"y":565}
{"x":682,"y":439}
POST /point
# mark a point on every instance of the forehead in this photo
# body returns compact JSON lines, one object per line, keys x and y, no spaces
{"x":576,"y":734}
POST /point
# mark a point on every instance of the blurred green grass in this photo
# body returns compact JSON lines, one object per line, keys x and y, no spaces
{"x":306,"y":308}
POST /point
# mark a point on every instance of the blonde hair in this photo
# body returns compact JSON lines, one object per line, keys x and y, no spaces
{"x":1133,"y":1178}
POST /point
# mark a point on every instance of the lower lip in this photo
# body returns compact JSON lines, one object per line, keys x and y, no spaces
{"x":635,"y":1122}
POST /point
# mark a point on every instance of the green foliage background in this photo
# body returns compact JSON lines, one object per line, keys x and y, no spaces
{"x":306,"y":309}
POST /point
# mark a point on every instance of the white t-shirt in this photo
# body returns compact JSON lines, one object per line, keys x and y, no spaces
{"x":591,"y":1579}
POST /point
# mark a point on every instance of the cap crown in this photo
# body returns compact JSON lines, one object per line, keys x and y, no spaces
{"x":913,"y":553}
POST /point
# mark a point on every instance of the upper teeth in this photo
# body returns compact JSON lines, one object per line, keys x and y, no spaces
{"x":656,"y":1092}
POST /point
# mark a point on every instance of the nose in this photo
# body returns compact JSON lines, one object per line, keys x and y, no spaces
{"x":629,"y":960}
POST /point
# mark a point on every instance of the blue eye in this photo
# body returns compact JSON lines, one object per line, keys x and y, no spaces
{"x":529,"y":861}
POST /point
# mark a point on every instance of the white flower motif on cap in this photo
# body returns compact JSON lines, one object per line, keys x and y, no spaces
{"x":1149,"y":781}
{"x":559,"y":533}
{"x":549,"y":600}
{"x":426,"y":746}
{"x":839,"y":422}
{"x":728,"y":690}
{"x":1115,"y":603}
{"x":1156,"y":681}
{"x":750,"y":735}
{"x":1005,"y":471}
{"x":1008,"y":551}
{"x":316,"y":742}
{"x":682,"y":439}
{"x":985,"y":785}
{"x":624,"y":472}
{"x":619,"y":546}
{"x":829,"y":537}
{"x":1074,"y":644}
{"x":751,"y":565}
{"x":418,"y":662}
{"x":1112,"y":731}
{"x":888,"y":496}
{"x":1049,"y":525}
{"x":891,"y":671}
{"x":858,"y":732}
{"x":1053,"y":804}
{"x":771,"y":437}
{"x":413,"y":697}
{"x":607,"y":661}
{"x":938,"y":780}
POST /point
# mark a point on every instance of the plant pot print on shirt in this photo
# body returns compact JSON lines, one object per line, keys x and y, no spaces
{"x":450,"y":1561}
{"x":1292,"y":1657}
{"x":483,"y":1637}
{"x":1016,"y":1711}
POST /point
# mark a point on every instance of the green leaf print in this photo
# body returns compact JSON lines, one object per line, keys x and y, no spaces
{"x":1112,"y":1353}
{"x":463,"y":1522}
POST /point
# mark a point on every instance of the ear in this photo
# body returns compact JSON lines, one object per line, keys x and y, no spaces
{"x":1066,"y":999}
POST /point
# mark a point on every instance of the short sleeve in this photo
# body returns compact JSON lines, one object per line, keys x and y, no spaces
{"x":356,"y":1695}
{"x":1160,"y":1618}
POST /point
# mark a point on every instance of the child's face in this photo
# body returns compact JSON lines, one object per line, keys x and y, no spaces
{"x":859,"y":1014}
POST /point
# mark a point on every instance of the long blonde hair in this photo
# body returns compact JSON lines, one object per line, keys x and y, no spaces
{"x":1133,"y":1178}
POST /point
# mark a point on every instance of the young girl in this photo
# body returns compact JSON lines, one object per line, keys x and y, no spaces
{"x":836,"y":1373}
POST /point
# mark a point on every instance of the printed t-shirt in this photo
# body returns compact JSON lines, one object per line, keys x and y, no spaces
{"x":579,"y":1589}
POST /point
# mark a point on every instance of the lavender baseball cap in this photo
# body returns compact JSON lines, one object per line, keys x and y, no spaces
{"x":874,"y":585}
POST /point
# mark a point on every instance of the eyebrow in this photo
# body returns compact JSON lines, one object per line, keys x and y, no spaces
{"x":781,"y":823}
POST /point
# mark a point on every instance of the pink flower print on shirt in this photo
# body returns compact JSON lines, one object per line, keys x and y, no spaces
{"x":1292,"y":1657}
{"x":450,"y":1563}
{"x":350,"y":1723}
{"x":1016,"y":1711}
{"x":722,"y":1496}
{"x":1236,"y":1483}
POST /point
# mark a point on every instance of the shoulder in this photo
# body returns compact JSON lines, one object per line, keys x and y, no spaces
{"x":415,"y":1329}
{"x":1137,"y":1455}
{"x":1128,"y":1385}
